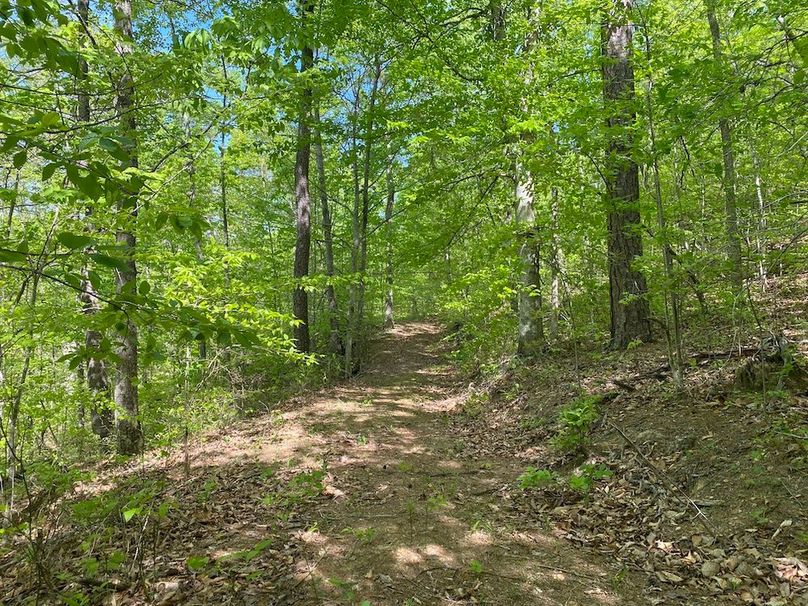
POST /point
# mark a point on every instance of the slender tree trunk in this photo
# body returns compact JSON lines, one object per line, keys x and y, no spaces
{"x":13,"y":455}
{"x":728,"y":156}
{"x":334,"y":339}
{"x":302,"y":196}
{"x":497,"y":19}
{"x":555,"y":267}
{"x":350,"y":333}
{"x":366,"y":162}
{"x":389,"y":322}
{"x":102,"y":421}
{"x":130,"y":438}
{"x":627,"y":287}
{"x":672,"y":298}
{"x":223,"y":183}
{"x":360,"y":223}
{"x":761,"y":243}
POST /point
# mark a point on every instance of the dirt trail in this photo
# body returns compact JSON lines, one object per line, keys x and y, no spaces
{"x":405,"y":519}
{"x":409,"y":521}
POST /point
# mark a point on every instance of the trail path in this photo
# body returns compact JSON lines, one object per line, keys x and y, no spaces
{"x":406,"y":520}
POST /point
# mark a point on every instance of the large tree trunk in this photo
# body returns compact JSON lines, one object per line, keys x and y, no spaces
{"x":130,"y":438}
{"x":728,"y":155}
{"x":334,"y":339}
{"x":96,"y":372}
{"x":529,"y":303}
{"x":302,"y":196}
{"x":389,"y":322}
{"x":531,"y":332}
{"x":627,"y":286}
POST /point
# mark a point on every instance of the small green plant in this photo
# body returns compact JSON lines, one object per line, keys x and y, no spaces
{"x":536,"y":478}
{"x":574,"y":422}
{"x":207,"y":490}
{"x":533,"y":423}
{"x":476,"y":566}
{"x":436,"y":501}
{"x":247,"y":555}
{"x":362,"y":535}
{"x":475,"y":403}
{"x":619,"y":578}
{"x":759,"y":516}
{"x":346,"y":588}
{"x":586,"y":476}
{"x":197,"y":563}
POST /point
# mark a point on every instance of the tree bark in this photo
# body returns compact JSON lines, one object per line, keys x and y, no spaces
{"x":728,"y":156}
{"x":529,"y":303}
{"x":531,"y":330}
{"x":627,"y":287}
{"x":389,"y":322}
{"x":368,"y":151}
{"x":130,"y":437}
{"x":359,"y":227}
{"x":302,"y":195}
{"x":334,"y":339}
{"x":355,"y":237}
{"x":102,"y":421}
{"x":555,"y":267}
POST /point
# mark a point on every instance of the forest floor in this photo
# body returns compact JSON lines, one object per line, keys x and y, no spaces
{"x":397,"y":487}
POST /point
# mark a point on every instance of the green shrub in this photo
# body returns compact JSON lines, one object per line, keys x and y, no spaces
{"x":575,"y":421}
{"x":536,"y":478}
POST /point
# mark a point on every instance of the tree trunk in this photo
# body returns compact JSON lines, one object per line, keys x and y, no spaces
{"x":13,"y":455}
{"x":359,"y":224}
{"x":762,"y":240}
{"x":350,"y":335}
{"x":671,"y":292}
{"x":555,"y":267}
{"x":130,"y":438}
{"x":223,"y":183}
{"x":627,"y":287}
{"x":302,"y":197}
{"x":728,"y":156}
{"x":497,"y":19}
{"x":102,"y":421}
{"x":368,"y":150}
{"x":529,"y":303}
{"x":334,"y":339}
{"x":388,"y":220}
{"x":531,"y":333}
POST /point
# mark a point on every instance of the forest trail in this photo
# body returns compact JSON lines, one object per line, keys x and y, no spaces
{"x":404,"y":519}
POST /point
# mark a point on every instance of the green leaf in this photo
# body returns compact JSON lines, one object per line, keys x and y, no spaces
{"x":48,"y":170}
{"x":107,"y":261}
{"x":11,"y":256}
{"x":74,"y":241}
{"x":197,"y":563}
{"x":128,"y":514}
{"x":20,"y":158}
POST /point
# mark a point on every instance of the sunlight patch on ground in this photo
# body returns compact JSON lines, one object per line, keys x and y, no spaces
{"x":407,"y":556}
